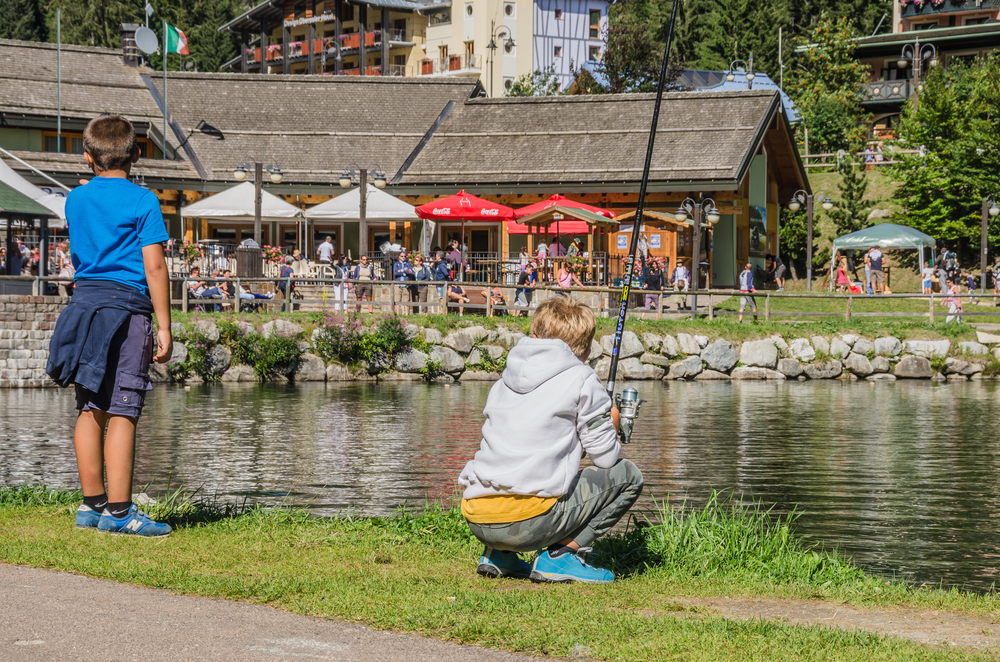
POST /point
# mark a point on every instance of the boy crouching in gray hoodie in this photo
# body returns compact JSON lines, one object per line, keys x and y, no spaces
{"x":524,"y":490}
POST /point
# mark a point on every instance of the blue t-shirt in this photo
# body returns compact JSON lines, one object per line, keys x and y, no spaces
{"x":110,"y":220}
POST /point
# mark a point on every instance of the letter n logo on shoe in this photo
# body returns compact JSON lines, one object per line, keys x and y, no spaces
{"x":133,"y":525}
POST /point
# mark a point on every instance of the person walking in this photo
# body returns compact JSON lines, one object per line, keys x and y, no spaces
{"x":523,"y":297}
{"x":325,"y":252}
{"x":953,"y":302}
{"x":442,"y":274}
{"x":926,"y":275}
{"x":868,"y":272}
{"x":680,"y":280}
{"x":422,"y":273}
{"x":654,"y":286}
{"x":402,"y":272}
{"x":363,"y":274}
{"x":747,"y":292}
{"x":876,"y":257}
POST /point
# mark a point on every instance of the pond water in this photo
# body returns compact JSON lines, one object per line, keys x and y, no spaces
{"x":903,"y":477}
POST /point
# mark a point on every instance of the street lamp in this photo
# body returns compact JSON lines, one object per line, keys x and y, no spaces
{"x":990,"y":210}
{"x":917,"y":53}
{"x":241,"y":173}
{"x":747,"y":66}
{"x":694,"y":209}
{"x":799,"y":198}
{"x":496,"y":33}
{"x":346,"y":179}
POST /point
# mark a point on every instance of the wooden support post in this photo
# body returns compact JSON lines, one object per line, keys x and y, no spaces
{"x":184,"y":296}
{"x":386,"y":37}
{"x":932,"y":308}
{"x":767,"y":307}
{"x":711,"y":307}
{"x":362,"y":49}
{"x":847,"y":315}
{"x":311,"y":45}
{"x":489,"y":300}
{"x":286,"y":39}
{"x":239,"y":297}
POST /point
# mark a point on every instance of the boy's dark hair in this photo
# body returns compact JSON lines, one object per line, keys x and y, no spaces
{"x":110,"y":141}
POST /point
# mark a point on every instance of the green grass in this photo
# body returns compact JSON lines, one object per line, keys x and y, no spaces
{"x":415,"y":573}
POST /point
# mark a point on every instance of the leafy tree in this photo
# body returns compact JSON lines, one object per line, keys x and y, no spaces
{"x":22,"y":19}
{"x":539,"y":83}
{"x":716,"y":32}
{"x":851,"y":212}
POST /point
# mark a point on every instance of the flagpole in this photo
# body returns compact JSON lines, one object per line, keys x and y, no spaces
{"x":166,"y":49}
{"x":58,"y":79}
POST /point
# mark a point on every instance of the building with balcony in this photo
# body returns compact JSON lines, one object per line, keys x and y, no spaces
{"x":946,"y":31}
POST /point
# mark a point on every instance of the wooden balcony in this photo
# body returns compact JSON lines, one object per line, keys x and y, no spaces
{"x":931,"y":8}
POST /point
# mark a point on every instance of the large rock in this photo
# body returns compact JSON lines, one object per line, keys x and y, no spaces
{"x":802,"y":350}
{"x":179,"y":354}
{"x":888,"y":346}
{"x":411,"y":361}
{"x":712,"y":376}
{"x":476,"y":355}
{"x":987,"y":338}
{"x":310,"y":369}
{"x":789,"y":367}
{"x":929,"y":349}
{"x":652,"y":341}
{"x":239,"y":373}
{"x":688,"y":344}
{"x":826,"y":370}
{"x":881,"y":377}
{"x":460,"y":341}
{"x":720,"y":355}
{"x":218,"y":359}
{"x":158,"y":373}
{"x":752,"y":373}
{"x":177,"y":329}
{"x":633,"y":368}
{"x":596,"y":351}
{"x":246,"y":328}
{"x":433,"y":336}
{"x":685,"y":369}
{"x":411,"y":330}
{"x":760,"y":353}
{"x":864,"y":346}
{"x":859,"y":364}
{"x":956,"y":366}
{"x":208,"y":329}
{"x":479,"y":376}
{"x":973,"y":348}
{"x":702,"y":341}
{"x":669,"y":347}
{"x":783,"y":349}
{"x":395,"y":376}
{"x":655,"y":359}
{"x":449,"y":359}
{"x":881,"y":364}
{"x":337,"y":372}
{"x":508,"y":339}
{"x":839,"y":349}
{"x":913,"y":367}
{"x":630,"y":345}
{"x":821,"y":344}
{"x":849,"y":338}
{"x":280,"y":328}
{"x":478,"y":333}
{"x":603,"y":367}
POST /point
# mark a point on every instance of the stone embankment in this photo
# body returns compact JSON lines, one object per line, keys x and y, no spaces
{"x":26,"y":325}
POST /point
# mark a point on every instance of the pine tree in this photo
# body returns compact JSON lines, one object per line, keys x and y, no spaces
{"x":851,"y":212}
{"x":22,"y":19}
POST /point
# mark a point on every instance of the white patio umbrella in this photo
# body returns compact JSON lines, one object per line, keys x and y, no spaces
{"x":237,"y":204}
{"x":381,"y":207}
{"x":55,"y":202}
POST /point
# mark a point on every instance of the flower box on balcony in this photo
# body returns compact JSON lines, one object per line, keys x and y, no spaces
{"x":426,"y":67}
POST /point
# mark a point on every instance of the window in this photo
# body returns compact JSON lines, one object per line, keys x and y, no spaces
{"x":558,"y":14}
{"x":924,"y":26}
{"x":399,"y":60}
{"x":595,"y":23}
{"x":443,"y":56}
{"x":74,"y":142}
{"x":348,"y":12}
{"x":558,"y":51}
{"x":469,"y":51}
{"x":594,"y":53}
{"x":508,"y":9}
{"x":979,"y":20}
{"x":468,"y":9}
{"x":439,"y":16}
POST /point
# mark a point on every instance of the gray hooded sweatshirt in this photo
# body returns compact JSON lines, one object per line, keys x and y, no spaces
{"x":547,"y":408}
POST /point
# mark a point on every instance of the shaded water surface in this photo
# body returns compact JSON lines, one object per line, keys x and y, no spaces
{"x":903,"y":476}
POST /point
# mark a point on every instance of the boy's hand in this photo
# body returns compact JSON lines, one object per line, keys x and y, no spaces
{"x":616,"y":418}
{"x":165,"y":346}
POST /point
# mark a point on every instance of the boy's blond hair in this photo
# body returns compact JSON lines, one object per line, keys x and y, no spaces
{"x":110,"y":140}
{"x":566,"y":319}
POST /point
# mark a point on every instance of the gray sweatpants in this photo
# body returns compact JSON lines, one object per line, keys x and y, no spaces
{"x":596,"y":500}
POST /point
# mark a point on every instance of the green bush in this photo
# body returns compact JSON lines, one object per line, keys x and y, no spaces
{"x":339,"y":338}
{"x":274,"y":354}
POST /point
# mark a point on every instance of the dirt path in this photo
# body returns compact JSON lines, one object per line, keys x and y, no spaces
{"x":924,"y":627}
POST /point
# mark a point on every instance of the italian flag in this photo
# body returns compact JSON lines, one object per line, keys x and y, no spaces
{"x":176,"y":41}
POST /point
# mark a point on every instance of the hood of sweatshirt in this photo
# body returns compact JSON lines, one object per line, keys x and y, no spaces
{"x":534,"y":361}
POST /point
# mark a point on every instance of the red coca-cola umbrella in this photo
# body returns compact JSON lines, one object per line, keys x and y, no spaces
{"x":464,"y":207}
{"x":561,"y":201}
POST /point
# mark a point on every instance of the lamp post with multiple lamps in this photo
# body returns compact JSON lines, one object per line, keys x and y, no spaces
{"x":356,"y":173}
{"x":694,"y":209}
{"x":240,"y":175}
{"x":501,"y":32}
{"x":799,"y":198}
{"x":917,"y":53}
{"x":990,"y":210}
{"x":731,"y":74}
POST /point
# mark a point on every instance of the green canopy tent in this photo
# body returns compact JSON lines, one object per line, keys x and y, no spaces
{"x":885,"y":235}
{"x":15,"y":205}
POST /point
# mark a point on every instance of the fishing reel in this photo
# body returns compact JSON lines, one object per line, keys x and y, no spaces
{"x":628,"y":403}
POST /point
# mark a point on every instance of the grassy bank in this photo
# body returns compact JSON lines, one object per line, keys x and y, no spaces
{"x":415,"y":573}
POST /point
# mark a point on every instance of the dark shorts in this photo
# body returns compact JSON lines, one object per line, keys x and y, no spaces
{"x":362,"y":290}
{"x":779,"y":272}
{"x":878,"y":277}
{"x":126,"y":378}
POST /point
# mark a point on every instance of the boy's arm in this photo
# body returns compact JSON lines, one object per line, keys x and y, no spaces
{"x":159,"y":293}
{"x":597,"y":423}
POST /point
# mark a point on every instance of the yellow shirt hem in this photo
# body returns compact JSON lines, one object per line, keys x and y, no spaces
{"x":505,"y":508}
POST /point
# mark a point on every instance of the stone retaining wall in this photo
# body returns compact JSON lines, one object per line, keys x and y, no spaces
{"x":26,"y":325}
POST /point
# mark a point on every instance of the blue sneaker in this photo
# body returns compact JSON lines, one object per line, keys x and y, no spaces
{"x":87,"y":517}
{"x":135,"y":523}
{"x":495,"y":563}
{"x":569,"y":567}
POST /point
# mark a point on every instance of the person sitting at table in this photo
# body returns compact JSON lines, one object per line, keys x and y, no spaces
{"x":457,"y":293}
{"x":496,"y":299}
{"x":229,"y":287}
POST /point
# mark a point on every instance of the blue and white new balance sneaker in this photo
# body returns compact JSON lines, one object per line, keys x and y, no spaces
{"x":135,"y":523}
{"x":87,"y":517}
{"x":496,"y":563}
{"x":569,"y":567}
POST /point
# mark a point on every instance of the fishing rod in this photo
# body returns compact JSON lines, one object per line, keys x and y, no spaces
{"x":628,"y":402}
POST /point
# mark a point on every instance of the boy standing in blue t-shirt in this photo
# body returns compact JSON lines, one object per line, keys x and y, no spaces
{"x":103,"y":341}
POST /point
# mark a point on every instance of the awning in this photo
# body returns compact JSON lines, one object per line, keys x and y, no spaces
{"x":885,"y":235}
{"x":237,"y":204}
{"x":54,"y":202}
{"x":347,"y":207}
{"x":14,"y":204}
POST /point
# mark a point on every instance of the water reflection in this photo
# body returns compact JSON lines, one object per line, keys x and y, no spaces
{"x":901,"y":476}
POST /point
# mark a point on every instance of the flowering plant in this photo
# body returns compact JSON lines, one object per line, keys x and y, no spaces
{"x":273,"y":254}
{"x":575,"y":262}
{"x":191,"y":251}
